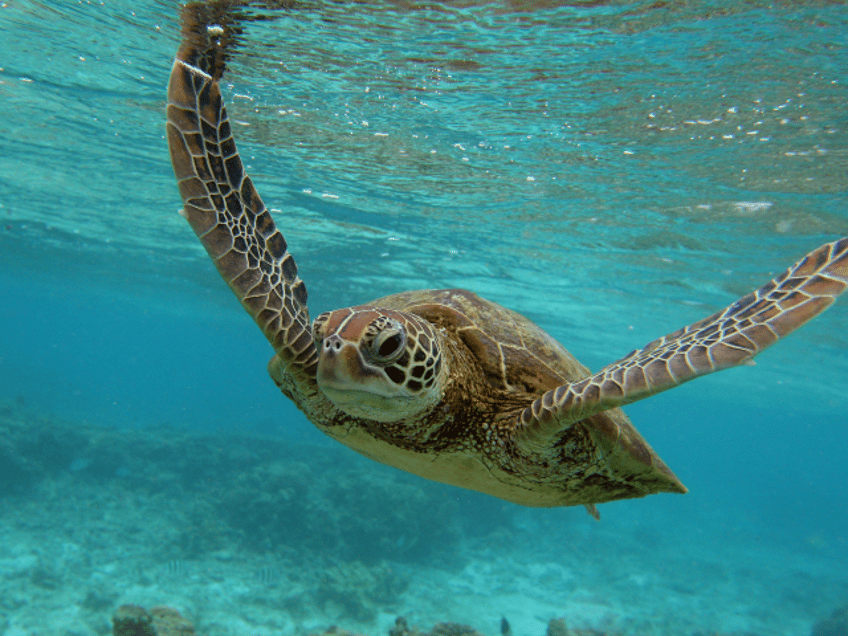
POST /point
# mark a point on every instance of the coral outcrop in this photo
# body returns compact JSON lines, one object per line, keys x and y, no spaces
{"x":264,"y":495}
{"x":134,"y":620}
{"x":558,"y":627}
{"x":835,"y":625}
{"x":401,"y":628}
{"x":359,"y":590}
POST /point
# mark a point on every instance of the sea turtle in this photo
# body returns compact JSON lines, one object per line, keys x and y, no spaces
{"x":443,"y":383}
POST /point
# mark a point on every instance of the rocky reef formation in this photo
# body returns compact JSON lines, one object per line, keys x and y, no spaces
{"x":834,"y":625}
{"x":359,"y":590}
{"x":401,"y":628}
{"x":269,"y":496}
{"x":556,"y":627}
{"x":226,"y":524}
{"x":134,"y":620}
{"x":319,"y":524}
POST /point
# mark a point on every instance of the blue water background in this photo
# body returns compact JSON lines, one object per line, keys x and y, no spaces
{"x":613,"y":171}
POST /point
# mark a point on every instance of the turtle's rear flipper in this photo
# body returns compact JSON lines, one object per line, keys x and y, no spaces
{"x":725,"y":339}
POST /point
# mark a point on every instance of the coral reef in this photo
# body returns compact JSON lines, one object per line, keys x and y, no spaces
{"x":265,"y":495}
{"x":556,"y":627}
{"x":359,"y":590}
{"x":169,"y":622}
{"x":401,"y":628}
{"x":251,"y":532}
{"x":835,"y":625}
{"x":453,"y":629}
{"x":134,"y":620}
{"x":335,"y":631}
{"x":29,"y":449}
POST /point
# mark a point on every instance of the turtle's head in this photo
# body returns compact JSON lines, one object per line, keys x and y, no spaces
{"x":379,"y":364}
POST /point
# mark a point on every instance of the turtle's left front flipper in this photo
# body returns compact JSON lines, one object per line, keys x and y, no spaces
{"x":725,"y":339}
{"x":220,"y":202}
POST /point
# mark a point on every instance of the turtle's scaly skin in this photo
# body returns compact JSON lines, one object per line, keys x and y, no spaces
{"x":443,"y":383}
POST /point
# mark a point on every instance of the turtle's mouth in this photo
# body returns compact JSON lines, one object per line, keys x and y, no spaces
{"x":365,"y":404}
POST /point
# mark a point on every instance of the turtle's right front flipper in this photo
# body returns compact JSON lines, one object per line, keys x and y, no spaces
{"x":220,"y":202}
{"x":726,"y":339}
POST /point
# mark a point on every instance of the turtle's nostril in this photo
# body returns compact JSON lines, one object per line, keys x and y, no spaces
{"x":332,"y":343}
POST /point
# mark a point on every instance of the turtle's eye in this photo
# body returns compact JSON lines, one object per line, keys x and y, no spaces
{"x":389,"y":345}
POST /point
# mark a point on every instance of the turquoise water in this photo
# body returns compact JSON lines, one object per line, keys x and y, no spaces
{"x":611,"y":170}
